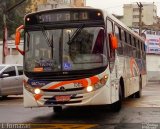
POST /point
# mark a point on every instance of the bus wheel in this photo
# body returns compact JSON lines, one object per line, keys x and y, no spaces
{"x":4,"y":97}
{"x":138,"y":94}
{"x":57,"y":109}
{"x":116,"y":107}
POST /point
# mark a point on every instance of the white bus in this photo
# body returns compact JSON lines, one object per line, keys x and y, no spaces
{"x":80,"y":56}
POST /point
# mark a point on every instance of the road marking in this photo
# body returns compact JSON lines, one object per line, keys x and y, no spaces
{"x":63,"y":126}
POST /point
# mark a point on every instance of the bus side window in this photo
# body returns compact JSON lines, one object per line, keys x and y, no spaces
{"x":118,"y":35}
{"x":130,"y":39}
{"x":125,"y":36}
{"x":98,"y":47}
{"x":111,"y":51}
{"x":109,"y":32}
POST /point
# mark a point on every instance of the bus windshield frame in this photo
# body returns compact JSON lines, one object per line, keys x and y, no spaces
{"x":52,"y":40}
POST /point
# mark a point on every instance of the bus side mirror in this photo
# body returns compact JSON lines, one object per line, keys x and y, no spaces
{"x":18,"y":38}
{"x":114,"y":42}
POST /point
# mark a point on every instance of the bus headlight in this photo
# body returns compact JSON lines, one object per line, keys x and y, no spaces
{"x":37,"y":91}
{"x":89,"y":88}
{"x":33,"y":90}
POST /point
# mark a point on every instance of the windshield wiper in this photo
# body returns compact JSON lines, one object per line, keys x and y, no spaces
{"x":75,"y":34}
{"x":52,"y":45}
{"x":28,"y":40}
{"x":50,"y":42}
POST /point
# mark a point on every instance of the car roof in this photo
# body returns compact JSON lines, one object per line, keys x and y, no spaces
{"x":11,"y":65}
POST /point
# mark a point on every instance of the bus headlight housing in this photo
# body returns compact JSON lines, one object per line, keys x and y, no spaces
{"x":32,"y":89}
{"x":98,"y":84}
{"x":37,"y":91}
{"x":101,"y":82}
{"x":90,"y":88}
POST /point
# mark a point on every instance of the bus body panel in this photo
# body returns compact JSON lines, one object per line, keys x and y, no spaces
{"x":122,"y":67}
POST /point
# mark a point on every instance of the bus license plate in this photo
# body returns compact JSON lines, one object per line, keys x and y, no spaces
{"x":63,"y":98}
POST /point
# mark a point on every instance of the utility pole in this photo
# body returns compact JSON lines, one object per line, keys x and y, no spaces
{"x":4,"y":32}
{"x":5,"y":11}
{"x":140,"y":16}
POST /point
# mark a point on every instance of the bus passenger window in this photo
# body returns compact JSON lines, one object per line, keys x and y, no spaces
{"x":125,"y":36}
{"x":130,"y":39}
{"x":118,"y":35}
{"x":98,"y":47}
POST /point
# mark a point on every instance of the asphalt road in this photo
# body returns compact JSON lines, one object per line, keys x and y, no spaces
{"x":143,"y":113}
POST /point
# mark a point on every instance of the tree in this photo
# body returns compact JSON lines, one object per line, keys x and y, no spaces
{"x":14,"y":18}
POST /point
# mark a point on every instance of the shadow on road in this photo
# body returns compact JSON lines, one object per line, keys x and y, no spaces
{"x":12,"y":97}
{"x":87,"y":114}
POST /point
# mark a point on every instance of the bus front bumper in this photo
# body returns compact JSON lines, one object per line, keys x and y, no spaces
{"x":98,"y":97}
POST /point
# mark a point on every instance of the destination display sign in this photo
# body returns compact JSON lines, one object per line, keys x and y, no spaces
{"x":53,"y":16}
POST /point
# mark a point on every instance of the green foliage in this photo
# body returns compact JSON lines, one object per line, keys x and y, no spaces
{"x":14,"y":17}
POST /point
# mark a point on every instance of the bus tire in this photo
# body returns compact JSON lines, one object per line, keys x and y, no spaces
{"x":116,"y":107}
{"x":5,"y":97}
{"x":57,"y":109}
{"x":138,"y":94}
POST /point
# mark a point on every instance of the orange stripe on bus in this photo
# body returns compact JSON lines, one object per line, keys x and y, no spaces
{"x":94,"y":80}
{"x":132,"y":63}
{"x":131,"y":66}
{"x":84,"y":83}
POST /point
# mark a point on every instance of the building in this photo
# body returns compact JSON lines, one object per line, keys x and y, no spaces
{"x":13,"y":57}
{"x":131,"y":14}
{"x":33,"y":4}
{"x":79,"y":3}
{"x":39,"y":5}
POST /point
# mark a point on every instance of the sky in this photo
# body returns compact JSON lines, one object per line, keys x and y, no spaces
{"x":116,"y":6}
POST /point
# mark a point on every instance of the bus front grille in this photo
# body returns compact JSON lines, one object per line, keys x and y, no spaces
{"x":66,"y":90}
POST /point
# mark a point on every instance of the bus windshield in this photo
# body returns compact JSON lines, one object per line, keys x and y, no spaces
{"x":64,"y":49}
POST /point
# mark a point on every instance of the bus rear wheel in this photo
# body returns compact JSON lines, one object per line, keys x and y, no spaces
{"x":57,"y":109}
{"x":4,"y":97}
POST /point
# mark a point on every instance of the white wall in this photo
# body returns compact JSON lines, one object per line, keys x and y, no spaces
{"x":12,"y":59}
{"x":128,"y":15}
{"x":149,"y":13}
{"x":153,"y":67}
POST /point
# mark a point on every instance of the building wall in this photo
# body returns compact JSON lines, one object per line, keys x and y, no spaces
{"x":13,"y":57}
{"x":128,"y":18}
{"x":131,"y":14}
{"x":79,"y":3}
{"x":34,"y":4}
{"x":39,"y":5}
{"x":153,"y":67}
{"x":149,"y":14}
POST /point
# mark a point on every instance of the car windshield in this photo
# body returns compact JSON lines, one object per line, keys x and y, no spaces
{"x":65,"y":49}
